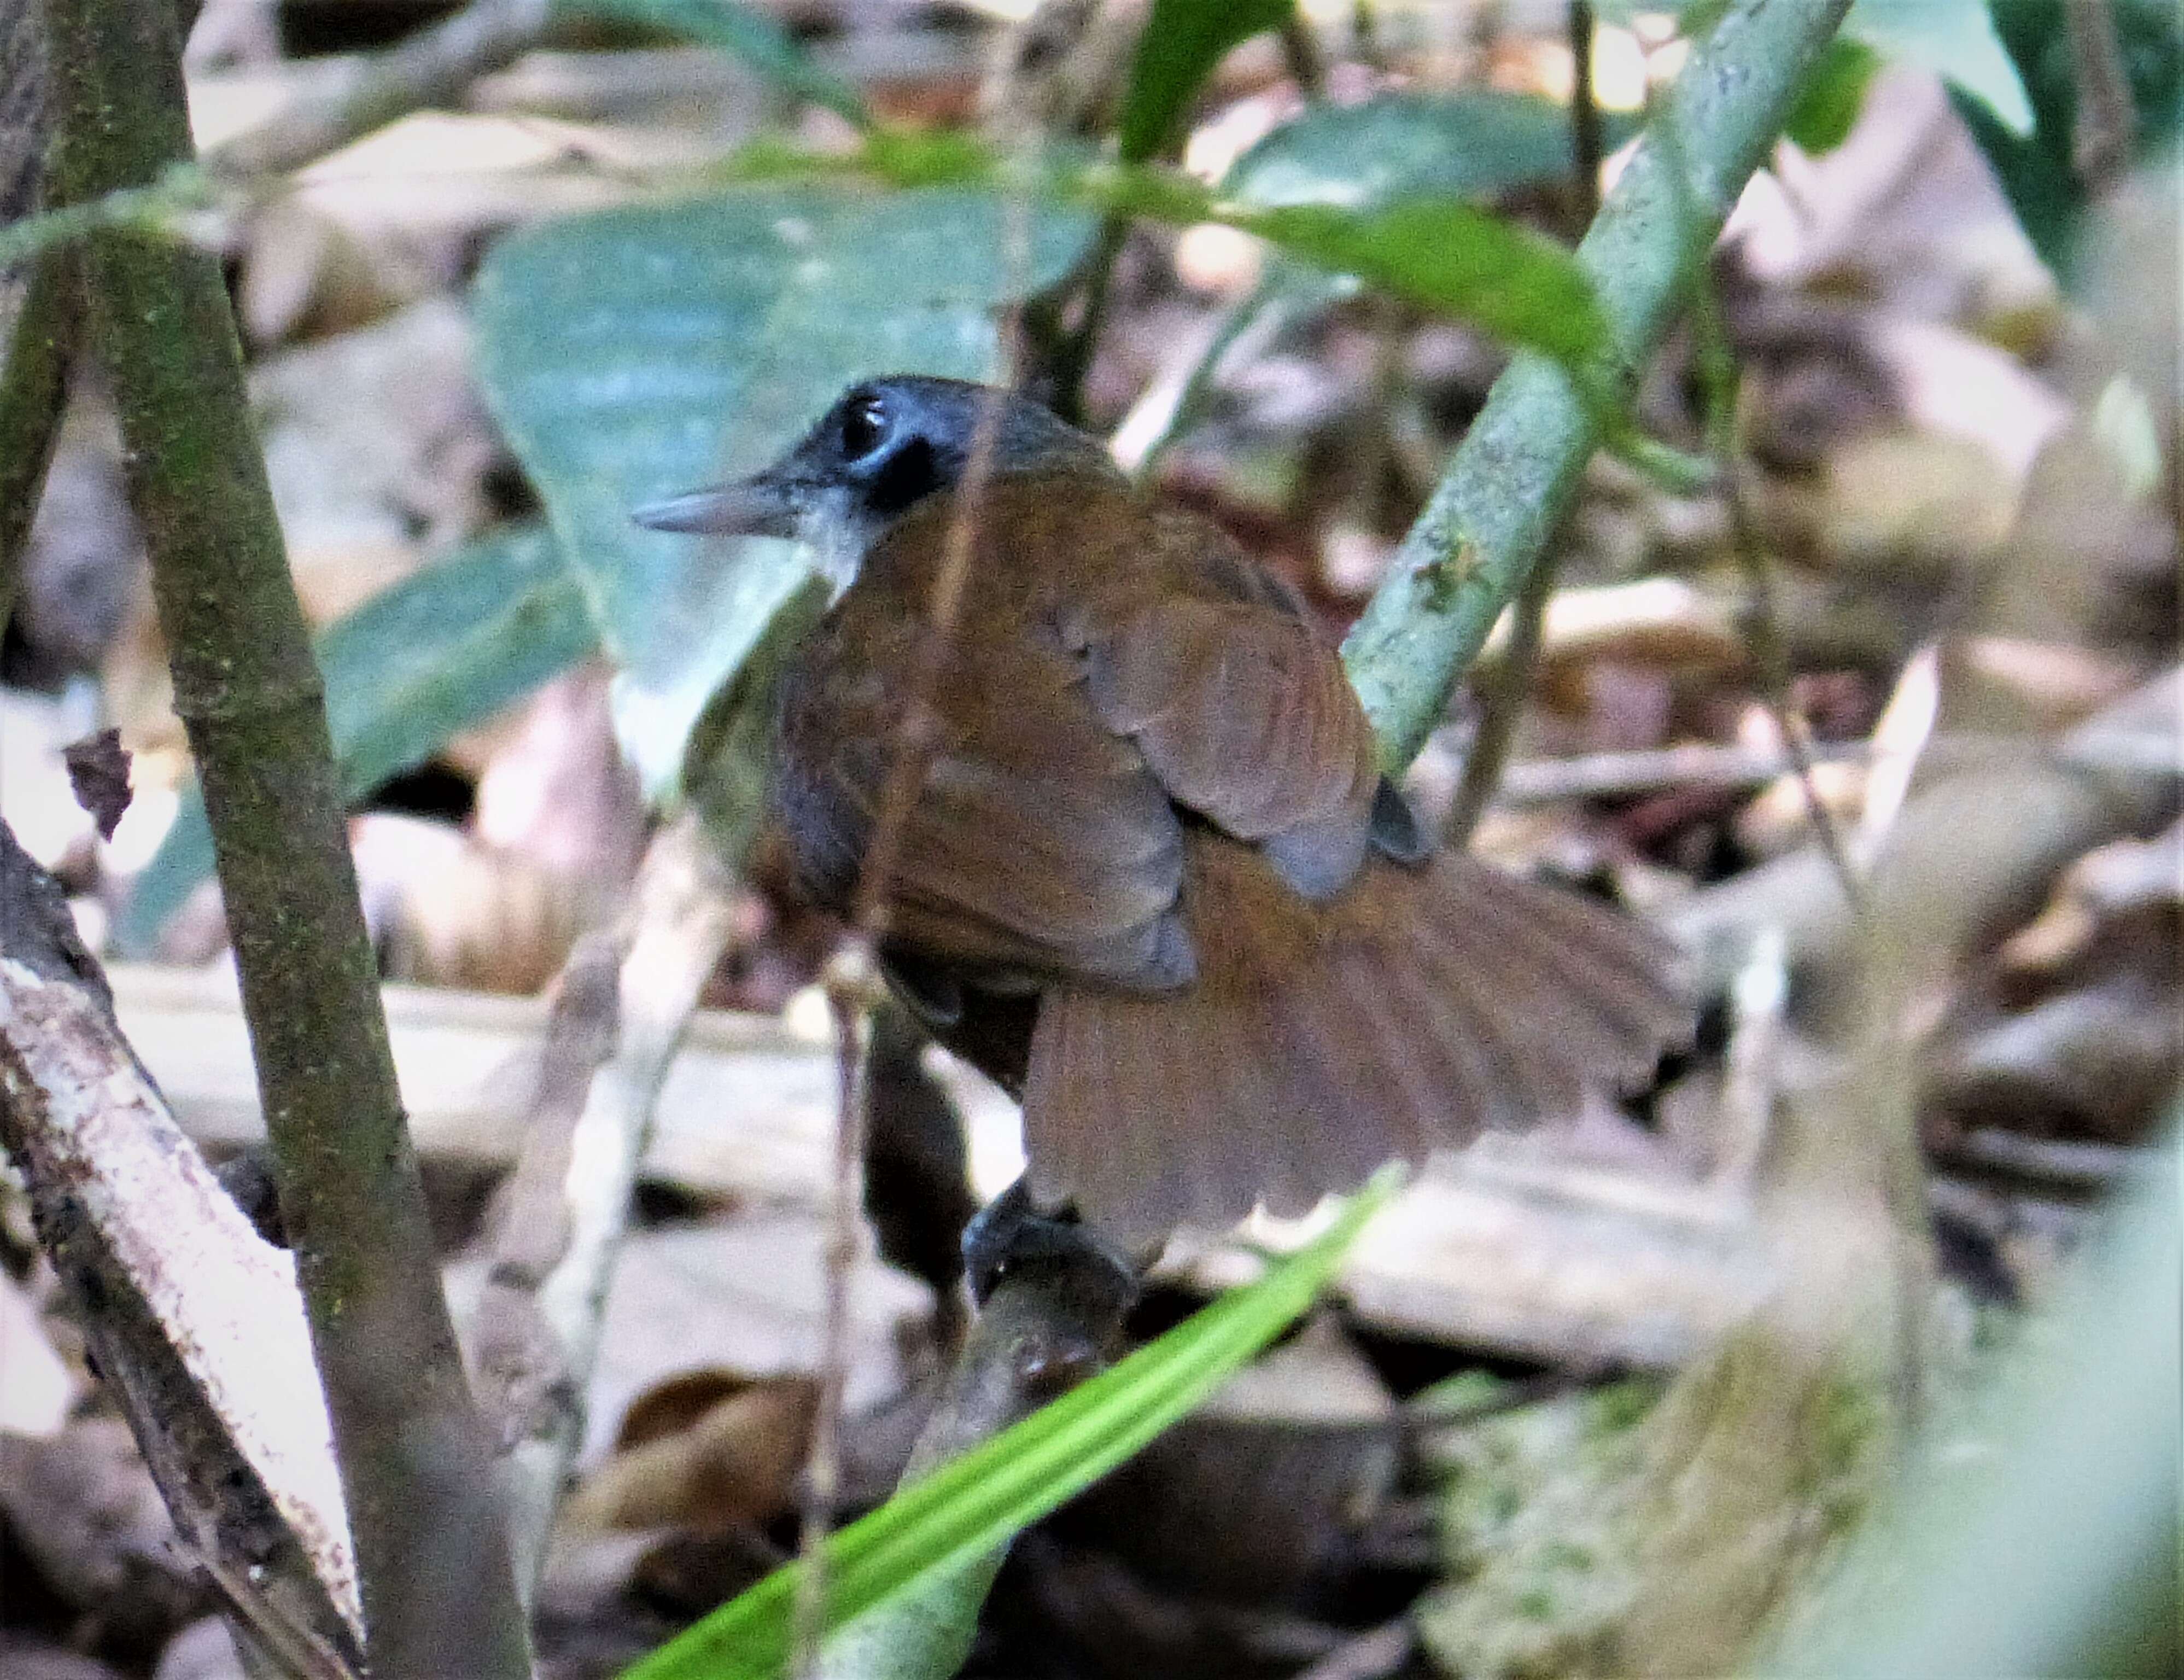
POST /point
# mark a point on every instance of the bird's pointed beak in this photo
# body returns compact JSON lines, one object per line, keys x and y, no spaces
{"x":758,"y":506}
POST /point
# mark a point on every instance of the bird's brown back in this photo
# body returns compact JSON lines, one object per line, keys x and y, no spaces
{"x":1141,"y":849}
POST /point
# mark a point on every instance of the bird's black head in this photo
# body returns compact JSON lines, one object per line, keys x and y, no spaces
{"x":883,"y":447}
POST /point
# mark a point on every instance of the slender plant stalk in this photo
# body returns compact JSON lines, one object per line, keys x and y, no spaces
{"x":438,"y":1594}
{"x":852,"y":977}
{"x":1721,"y":377}
{"x":1585,"y":140}
{"x":1517,"y":472}
{"x":431,"y":67}
{"x":1504,"y":706}
{"x":33,"y":393}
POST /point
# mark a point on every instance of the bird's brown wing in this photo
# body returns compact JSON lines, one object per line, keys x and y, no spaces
{"x":1111,"y":663}
{"x":1038,"y":844}
{"x":1241,"y":712}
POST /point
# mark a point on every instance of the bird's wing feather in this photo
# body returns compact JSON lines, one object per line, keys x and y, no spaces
{"x":1241,"y":716}
{"x":1244,"y":715}
{"x":1037,"y":842}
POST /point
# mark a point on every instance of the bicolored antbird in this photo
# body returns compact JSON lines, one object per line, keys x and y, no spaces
{"x":1154,"y":881}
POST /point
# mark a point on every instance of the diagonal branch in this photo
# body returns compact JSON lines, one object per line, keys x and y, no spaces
{"x":1517,"y":471}
{"x":192,"y":1317}
{"x":431,"y":1555}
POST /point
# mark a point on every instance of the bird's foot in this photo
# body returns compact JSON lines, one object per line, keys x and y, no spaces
{"x":1012,"y":1233}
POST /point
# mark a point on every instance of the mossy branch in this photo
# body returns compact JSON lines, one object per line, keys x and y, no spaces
{"x":1517,"y":470}
{"x":437,"y":1587}
{"x":33,"y":393}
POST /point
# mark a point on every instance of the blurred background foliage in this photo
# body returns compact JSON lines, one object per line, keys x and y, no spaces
{"x":1568,"y":1419}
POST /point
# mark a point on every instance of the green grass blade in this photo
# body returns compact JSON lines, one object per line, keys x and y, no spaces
{"x":975,"y":1502}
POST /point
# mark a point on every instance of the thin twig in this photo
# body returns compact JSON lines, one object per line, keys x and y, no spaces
{"x":1619,"y":775}
{"x":1721,"y":378}
{"x":1072,"y":358}
{"x":848,"y":997}
{"x":852,"y":980}
{"x":430,"y":68}
{"x":624,"y":999}
{"x":1507,"y":689}
{"x":1585,"y":141}
{"x":430,"y":1553}
{"x":2107,"y":120}
{"x":1770,"y":658}
{"x":33,"y":396}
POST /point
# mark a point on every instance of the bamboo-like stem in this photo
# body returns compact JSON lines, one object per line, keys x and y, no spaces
{"x":1517,"y":472}
{"x":33,"y":393}
{"x":437,"y":1591}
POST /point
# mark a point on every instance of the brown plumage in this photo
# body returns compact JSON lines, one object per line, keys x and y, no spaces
{"x":1154,"y":881}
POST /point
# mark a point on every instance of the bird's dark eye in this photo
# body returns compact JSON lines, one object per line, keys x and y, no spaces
{"x":864,"y":427}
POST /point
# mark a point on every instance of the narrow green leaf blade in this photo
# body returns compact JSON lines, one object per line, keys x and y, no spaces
{"x":975,"y":1502}
{"x":1437,"y":251}
{"x":437,"y":653}
{"x":1181,"y":43}
{"x":743,"y":31}
{"x":1448,"y":254}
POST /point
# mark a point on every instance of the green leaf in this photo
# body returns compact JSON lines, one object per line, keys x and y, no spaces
{"x":652,"y":348}
{"x":1181,"y":43}
{"x":743,"y":31}
{"x":1834,"y":95}
{"x":973,"y":1504}
{"x":1440,"y":253}
{"x":1470,"y":144}
{"x":1956,"y":40}
{"x":1444,"y":254}
{"x":2037,"y":171}
{"x":444,"y":650}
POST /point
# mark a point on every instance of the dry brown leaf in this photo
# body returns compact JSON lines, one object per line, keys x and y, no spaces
{"x":735,"y":1466}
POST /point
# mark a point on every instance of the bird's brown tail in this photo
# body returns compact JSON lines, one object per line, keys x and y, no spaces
{"x":1422,"y":1007}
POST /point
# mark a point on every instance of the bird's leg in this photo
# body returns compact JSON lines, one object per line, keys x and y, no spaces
{"x":1012,"y":1233}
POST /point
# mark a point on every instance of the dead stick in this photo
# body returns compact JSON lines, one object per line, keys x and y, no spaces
{"x":430,"y":68}
{"x":622,"y":1003}
{"x":192,"y":1317}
